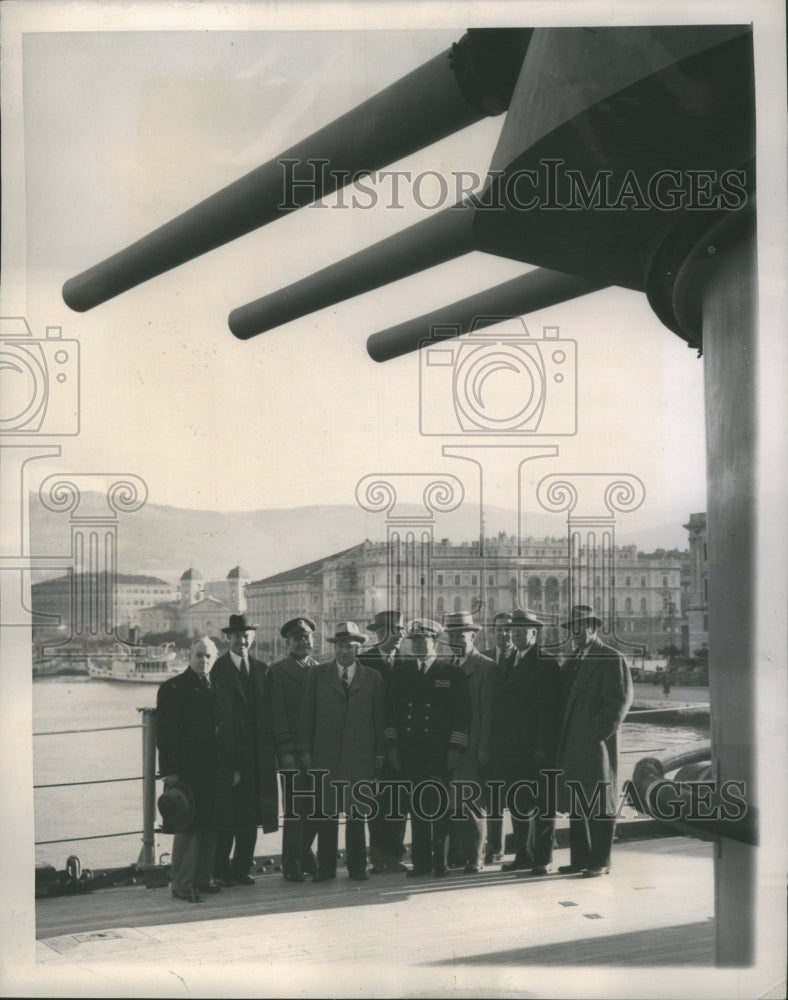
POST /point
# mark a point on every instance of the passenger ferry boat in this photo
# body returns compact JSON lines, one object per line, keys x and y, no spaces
{"x":137,"y":664}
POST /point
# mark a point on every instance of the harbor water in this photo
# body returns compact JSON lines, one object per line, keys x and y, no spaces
{"x":70,"y":815}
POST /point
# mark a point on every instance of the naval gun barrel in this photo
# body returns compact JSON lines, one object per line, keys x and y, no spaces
{"x":535,"y":290}
{"x":473,"y":79}
{"x":435,"y":240}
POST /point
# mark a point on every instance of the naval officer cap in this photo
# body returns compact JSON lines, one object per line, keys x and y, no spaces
{"x":424,"y":626}
{"x":296,"y":626}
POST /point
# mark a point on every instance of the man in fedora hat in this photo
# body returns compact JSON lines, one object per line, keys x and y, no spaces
{"x":525,"y":720}
{"x":189,"y":764}
{"x":386,"y":830}
{"x":341,"y":733}
{"x":245,"y":717}
{"x":597,"y":693}
{"x":428,"y":715}
{"x":460,"y":632}
{"x":286,"y":683}
{"x":503,"y":654}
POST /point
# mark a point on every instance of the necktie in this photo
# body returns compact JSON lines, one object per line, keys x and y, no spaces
{"x":345,"y":681}
{"x":244,"y":671}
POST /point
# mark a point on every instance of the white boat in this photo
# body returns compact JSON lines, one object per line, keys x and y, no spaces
{"x":137,"y":664}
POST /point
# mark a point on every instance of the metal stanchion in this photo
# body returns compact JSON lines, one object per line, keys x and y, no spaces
{"x":148,"y":851}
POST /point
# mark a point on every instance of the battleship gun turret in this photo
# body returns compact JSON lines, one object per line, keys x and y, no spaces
{"x":472,"y":80}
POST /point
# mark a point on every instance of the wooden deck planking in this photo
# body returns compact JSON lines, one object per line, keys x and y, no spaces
{"x":653,"y":909}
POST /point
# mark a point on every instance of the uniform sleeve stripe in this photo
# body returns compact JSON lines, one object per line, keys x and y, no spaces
{"x":459,"y":739}
{"x":390,"y":733}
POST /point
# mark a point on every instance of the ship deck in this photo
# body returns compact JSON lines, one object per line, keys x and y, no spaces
{"x":655,"y":909}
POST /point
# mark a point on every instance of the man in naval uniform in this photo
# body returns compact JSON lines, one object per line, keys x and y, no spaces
{"x":428,"y":716}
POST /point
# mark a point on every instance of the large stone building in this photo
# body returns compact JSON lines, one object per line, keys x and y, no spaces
{"x":696,"y":627}
{"x":203,"y":607}
{"x":644,"y":590}
{"x":90,"y":604}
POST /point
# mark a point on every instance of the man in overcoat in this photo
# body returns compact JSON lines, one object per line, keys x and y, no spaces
{"x":386,"y":830}
{"x":341,"y":733}
{"x":428,"y":716}
{"x":460,"y":632}
{"x":597,"y":693}
{"x":525,"y":721}
{"x":240,"y":682}
{"x":186,"y":737}
{"x":503,"y":654}
{"x":286,"y":680}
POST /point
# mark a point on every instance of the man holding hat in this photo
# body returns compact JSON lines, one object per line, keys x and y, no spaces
{"x":240,"y":682}
{"x":597,"y":693}
{"x":341,"y":733}
{"x":525,"y":720}
{"x":503,"y":654}
{"x":186,"y":737}
{"x":460,"y":633}
{"x":386,"y":832}
{"x":428,"y":716}
{"x":285,"y":687}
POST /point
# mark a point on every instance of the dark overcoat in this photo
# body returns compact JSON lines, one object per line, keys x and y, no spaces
{"x":594,"y":708}
{"x":285,"y":682}
{"x":188,"y":744}
{"x":480,"y":674}
{"x":246,"y":742}
{"x":526,"y":716}
{"x":373,"y":657}
{"x":343,"y":733}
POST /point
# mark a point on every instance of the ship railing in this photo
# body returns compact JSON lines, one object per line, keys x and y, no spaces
{"x":147,"y":854}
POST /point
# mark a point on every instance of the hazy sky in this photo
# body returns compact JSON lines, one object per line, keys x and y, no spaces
{"x":125,"y":129}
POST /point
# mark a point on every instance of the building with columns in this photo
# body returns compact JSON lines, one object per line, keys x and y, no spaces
{"x":644,"y":589}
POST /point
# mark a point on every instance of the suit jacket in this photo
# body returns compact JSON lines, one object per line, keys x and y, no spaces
{"x":508,"y":660}
{"x":526,"y":716}
{"x":373,"y":657}
{"x":188,"y":744}
{"x":426,"y":715}
{"x":246,"y":727}
{"x":343,"y":733}
{"x":286,"y":680}
{"x":594,"y":708}
{"x":480,"y":673}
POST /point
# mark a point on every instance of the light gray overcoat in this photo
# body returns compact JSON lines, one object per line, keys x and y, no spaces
{"x":343,"y":734}
{"x":594,"y":709}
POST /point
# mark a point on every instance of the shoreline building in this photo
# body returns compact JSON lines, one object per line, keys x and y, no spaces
{"x":645,"y":589}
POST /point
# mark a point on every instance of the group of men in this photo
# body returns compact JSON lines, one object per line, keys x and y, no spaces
{"x":446,"y":736}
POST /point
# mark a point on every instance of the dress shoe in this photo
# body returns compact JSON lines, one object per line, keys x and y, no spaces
{"x":294,"y":877}
{"x":358,"y":876}
{"x":379,"y":869}
{"x":569,"y":870}
{"x":396,"y":866}
{"x":471,"y":869}
{"x":209,"y":887}
{"x":323,"y":876}
{"x":539,"y":870}
{"x":514,"y":866}
{"x":493,"y":858}
{"x":596,"y":872}
{"x":245,"y":880}
{"x":441,"y":872}
{"x":418,"y":872}
{"x":225,"y":883}
{"x":187,"y":897}
{"x":309,"y":868}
